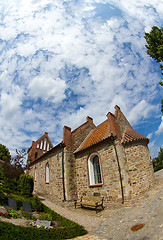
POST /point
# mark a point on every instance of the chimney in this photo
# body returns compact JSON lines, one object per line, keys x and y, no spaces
{"x":109,"y":114}
{"x":67,"y":136}
{"x":89,"y":119}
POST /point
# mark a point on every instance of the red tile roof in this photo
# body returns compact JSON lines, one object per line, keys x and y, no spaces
{"x":100,"y":133}
{"x":109,"y":127}
{"x":131,"y":135}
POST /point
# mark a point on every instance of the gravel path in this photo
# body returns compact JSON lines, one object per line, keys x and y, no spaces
{"x":116,"y":223}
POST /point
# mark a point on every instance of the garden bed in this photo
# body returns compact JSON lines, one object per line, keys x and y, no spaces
{"x":15,"y":224}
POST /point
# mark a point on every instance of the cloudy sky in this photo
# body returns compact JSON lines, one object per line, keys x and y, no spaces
{"x":61,"y":61}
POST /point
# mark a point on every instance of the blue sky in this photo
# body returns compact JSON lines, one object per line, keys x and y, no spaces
{"x":61,"y":61}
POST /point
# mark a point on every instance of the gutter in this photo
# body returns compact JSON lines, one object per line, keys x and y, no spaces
{"x":63,"y":176}
{"x":119,"y":169}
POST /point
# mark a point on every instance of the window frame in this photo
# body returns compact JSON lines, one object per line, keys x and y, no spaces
{"x":91,"y":173}
{"x":35,"y":174}
{"x":47,"y":179}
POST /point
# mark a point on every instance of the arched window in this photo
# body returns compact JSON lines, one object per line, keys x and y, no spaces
{"x":35,"y":175}
{"x":95,"y":176}
{"x":47,"y":173}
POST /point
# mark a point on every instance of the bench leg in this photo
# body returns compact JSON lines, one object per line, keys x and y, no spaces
{"x":96,"y":207}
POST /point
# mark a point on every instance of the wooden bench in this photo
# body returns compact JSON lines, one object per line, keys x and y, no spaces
{"x":92,"y":201}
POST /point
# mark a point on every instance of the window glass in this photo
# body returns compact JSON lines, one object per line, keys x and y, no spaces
{"x":97,"y":170}
{"x":47,"y":173}
{"x":35,"y":176}
{"x":94,"y":168}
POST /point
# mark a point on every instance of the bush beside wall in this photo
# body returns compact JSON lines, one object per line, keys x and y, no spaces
{"x":26,"y":184}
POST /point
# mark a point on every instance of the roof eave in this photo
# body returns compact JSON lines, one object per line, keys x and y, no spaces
{"x":135,"y":140}
{"x":111,"y":137}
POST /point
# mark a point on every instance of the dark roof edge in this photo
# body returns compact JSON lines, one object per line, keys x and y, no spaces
{"x":145,"y":139}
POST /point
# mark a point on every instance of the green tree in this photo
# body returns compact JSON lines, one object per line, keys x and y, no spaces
{"x":16,"y":166}
{"x":11,"y":167}
{"x":4,"y":154}
{"x":155,"y":48}
{"x":158,"y":162}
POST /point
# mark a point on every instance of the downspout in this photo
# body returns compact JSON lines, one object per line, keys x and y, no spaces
{"x":119,"y":169}
{"x":63,"y":177}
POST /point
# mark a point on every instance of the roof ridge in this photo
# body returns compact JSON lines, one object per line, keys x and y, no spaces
{"x":113,"y":124}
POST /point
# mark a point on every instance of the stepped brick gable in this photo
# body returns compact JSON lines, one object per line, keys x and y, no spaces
{"x":111,"y":160}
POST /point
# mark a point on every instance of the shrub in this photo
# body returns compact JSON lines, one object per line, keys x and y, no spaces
{"x":37,"y":205}
{"x":10,"y":231}
{"x":3,"y":198}
{"x":26,"y":184}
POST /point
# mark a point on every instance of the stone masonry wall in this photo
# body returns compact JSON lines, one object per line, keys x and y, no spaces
{"x":53,"y":189}
{"x":140,"y":167}
{"x":110,"y":190}
{"x":70,"y":175}
{"x":123,"y":168}
{"x":77,"y":137}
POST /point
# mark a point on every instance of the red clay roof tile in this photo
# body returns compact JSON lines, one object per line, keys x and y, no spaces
{"x":100,"y":133}
{"x":131,"y":135}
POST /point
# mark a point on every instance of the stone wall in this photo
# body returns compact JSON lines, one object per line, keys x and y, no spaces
{"x":135,"y":167}
{"x":53,"y":189}
{"x":72,"y":140}
{"x":70,"y":174}
{"x":111,"y":188}
{"x":140,"y":167}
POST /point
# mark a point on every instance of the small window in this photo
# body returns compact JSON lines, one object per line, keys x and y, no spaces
{"x":96,"y":170}
{"x":41,"y":145}
{"x":45,"y":140}
{"x":48,"y":146}
{"x":35,"y":155}
{"x":47,"y":173}
{"x":35,"y":175}
{"x":95,"y":176}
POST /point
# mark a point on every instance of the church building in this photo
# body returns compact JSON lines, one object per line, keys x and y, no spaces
{"x":111,"y":160}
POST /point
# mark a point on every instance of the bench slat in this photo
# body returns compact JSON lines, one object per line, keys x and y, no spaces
{"x":90,"y":201}
{"x":89,"y":204}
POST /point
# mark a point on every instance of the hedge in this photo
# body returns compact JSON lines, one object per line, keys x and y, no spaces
{"x":10,"y":231}
{"x":26,"y":184}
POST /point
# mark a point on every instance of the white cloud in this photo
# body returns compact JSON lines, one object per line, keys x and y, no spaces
{"x":153,"y":148}
{"x":10,"y":103}
{"x":139,"y":111}
{"x":47,"y":88}
{"x":160,"y":129}
{"x":49,"y":47}
{"x":150,"y":135}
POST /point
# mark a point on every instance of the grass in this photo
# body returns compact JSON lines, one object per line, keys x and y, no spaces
{"x":62,"y":228}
